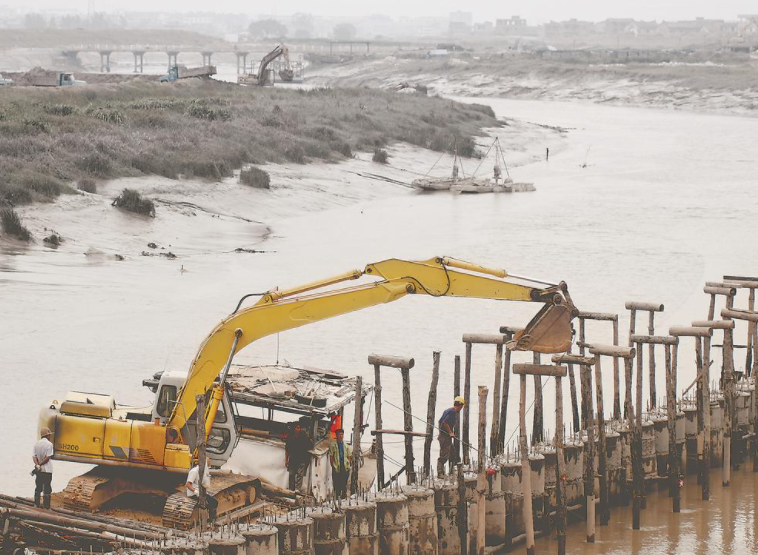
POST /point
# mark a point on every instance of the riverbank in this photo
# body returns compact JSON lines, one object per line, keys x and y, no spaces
{"x":53,"y":141}
{"x":729,"y":86}
{"x":197,"y":217}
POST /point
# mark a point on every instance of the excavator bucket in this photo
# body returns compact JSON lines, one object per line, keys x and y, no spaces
{"x":548,"y":332}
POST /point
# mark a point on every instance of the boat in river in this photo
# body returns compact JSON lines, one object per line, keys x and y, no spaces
{"x":499,"y":183}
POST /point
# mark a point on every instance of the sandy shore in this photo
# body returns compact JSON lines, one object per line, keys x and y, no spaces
{"x":712,"y":87}
{"x":197,"y":217}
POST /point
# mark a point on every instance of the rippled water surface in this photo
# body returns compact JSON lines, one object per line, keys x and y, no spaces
{"x":666,"y":201}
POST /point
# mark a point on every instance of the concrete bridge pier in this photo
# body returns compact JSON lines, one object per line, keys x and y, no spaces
{"x":173,"y":59}
{"x":105,"y":61}
{"x":207,"y":58}
{"x":139,"y":61}
{"x":241,"y":62}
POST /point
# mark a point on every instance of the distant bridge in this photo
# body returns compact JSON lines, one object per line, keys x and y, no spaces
{"x":172,"y":51}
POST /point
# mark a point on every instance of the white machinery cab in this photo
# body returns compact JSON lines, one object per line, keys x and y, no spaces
{"x":224,"y":434}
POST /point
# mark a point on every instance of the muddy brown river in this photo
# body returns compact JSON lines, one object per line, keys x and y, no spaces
{"x":634,"y":204}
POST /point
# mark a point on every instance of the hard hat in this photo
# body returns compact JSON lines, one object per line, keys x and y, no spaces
{"x":459,"y":401}
{"x":44,"y":432}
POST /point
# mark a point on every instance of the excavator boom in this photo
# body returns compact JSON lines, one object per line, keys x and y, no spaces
{"x":283,"y":310}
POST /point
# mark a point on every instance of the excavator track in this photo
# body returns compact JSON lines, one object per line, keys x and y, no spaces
{"x":232,"y":491}
{"x":80,"y":492}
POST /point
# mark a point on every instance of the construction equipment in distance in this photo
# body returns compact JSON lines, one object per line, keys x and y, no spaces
{"x":182,"y":72}
{"x":151,"y":449}
{"x":265,"y":77}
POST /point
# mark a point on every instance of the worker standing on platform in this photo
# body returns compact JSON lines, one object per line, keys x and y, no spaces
{"x":447,"y":433}
{"x":340,"y":456}
{"x":193,"y":489}
{"x":43,"y":468}
{"x":297,"y":456}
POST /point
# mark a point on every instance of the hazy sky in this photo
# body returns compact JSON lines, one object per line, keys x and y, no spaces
{"x":534,"y":10}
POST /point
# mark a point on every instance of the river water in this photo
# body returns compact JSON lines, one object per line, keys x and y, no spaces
{"x":639,"y":205}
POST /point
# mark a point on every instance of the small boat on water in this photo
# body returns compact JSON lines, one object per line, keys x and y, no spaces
{"x":475,"y":185}
{"x":498,"y":184}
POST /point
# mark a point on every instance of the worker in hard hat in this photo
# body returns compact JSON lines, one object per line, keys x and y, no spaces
{"x":42,"y":455}
{"x":447,"y":428}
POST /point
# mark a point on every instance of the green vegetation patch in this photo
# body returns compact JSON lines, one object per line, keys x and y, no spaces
{"x":132,"y":201}
{"x":12,"y":225}
{"x":207,"y":129}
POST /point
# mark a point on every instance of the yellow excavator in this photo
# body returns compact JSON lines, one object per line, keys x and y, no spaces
{"x":263,"y":76}
{"x":150,"y":449}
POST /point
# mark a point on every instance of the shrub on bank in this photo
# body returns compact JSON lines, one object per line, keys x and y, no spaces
{"x":132,"y":201}
{"x":12,"y":225}
{"x":255,"y":177}
{"x":381,"y":156}
{"x":87,"y":185}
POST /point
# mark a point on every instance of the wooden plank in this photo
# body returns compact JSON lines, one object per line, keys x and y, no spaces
{"x":398,"y":433}
{"x":410,"y":467}
{"x":539,"y":370}
{"x":689,"y":331}
{"x":636,"y":305}
{"x":601,"y":316}
{"x":391,"y":361}
{"x":484,"y":338}
{"x":611,"y":350}
{"x":736,"y":314}
{"x":655,"y":339}
{"x":725,"y":291}
{"x":568,"y":358}
{"x":713,"y":324}
{"x":495,"y":429}
{"x":561,"y":519}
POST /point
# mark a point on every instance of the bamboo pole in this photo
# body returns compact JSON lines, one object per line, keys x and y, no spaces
{"x":201,"y":458}
{"x":456,"y":393}
{"x":704,"y":417}
{"x":616,"y":374}
{"x":410,"y":468}
{"x":496,"y":401}
{"x":729,"y":394}
{"x":651,"y":361}
{"x":481,"y":479}
{"x":589,"y":458}
{"x":673,"y":476}
{"x":605,"y":509}
{"x":357,"y":421}
{"x":466,"y":412}
{"x":378,"y":426}
{"x":574,"y":402}
{"x":506,"y":392}
{"x":560,"y":469}
{"x":538,"y":430}
{"x":430,"y":413}
{"x":462,"y":517}
{"x":636,"y":451}
{"x":526,"y":473}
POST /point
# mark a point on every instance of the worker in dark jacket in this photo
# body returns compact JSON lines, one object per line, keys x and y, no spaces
{"x":447,"y":433}
{"x":297,"y":456}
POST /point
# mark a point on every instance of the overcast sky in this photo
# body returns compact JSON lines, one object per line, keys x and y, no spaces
{"x":536,"y":11}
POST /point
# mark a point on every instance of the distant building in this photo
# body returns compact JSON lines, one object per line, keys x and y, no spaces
{"x":460,"y":23}
{"x":613,"y":26}
{"x":570,"y":28}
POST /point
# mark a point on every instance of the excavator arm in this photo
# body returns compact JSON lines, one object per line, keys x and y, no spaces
{"x":270,"y":57}
{"x":283,"y":310}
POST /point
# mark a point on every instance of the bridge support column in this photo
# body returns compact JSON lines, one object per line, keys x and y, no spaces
{"x":207,"y":58}
{"x":105,"y":61}
{"x":139,"y":60}
{"x":241,"y":62}
{"x":173,"y":59}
